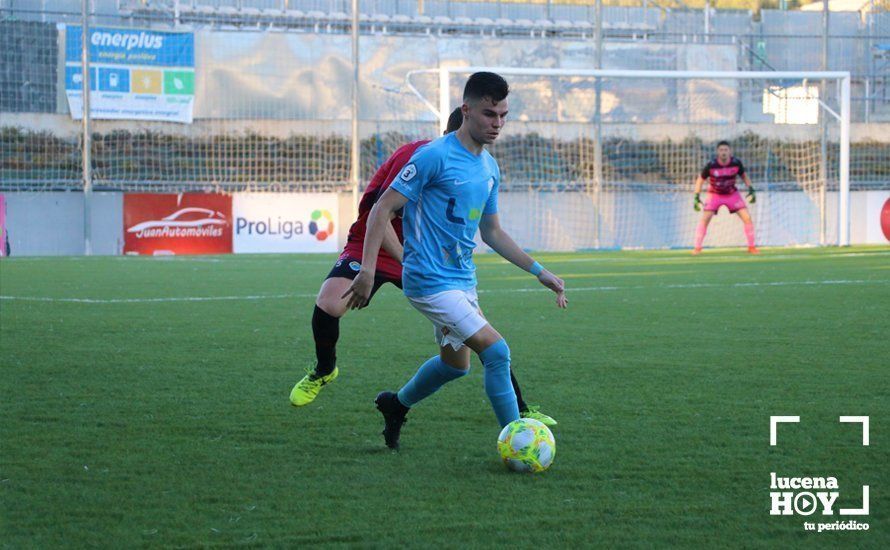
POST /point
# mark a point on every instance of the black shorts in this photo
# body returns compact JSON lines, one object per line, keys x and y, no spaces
{"x":348,"y":268}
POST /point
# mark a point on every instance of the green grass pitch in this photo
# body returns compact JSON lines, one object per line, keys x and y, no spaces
{"x":145,"y":402}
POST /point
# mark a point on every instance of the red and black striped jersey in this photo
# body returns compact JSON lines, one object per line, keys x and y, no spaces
{"x":722,"y":177}
{"x":385,"y":175}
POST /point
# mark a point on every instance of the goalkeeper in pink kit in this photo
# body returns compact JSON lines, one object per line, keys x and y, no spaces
{"x":721,"y":173}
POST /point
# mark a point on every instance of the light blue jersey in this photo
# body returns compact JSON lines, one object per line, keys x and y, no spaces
{"x":448,"y":190}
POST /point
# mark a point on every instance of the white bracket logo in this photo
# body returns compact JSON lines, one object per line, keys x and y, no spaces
{"x":776,"y":420}
{"x":806,"y":503}
{"x":773,"y":421}
{"x":858,"y":420}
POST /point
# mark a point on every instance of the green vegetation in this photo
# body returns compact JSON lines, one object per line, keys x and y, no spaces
{"x":126,"y":160}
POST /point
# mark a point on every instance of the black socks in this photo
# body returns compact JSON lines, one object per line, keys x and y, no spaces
{"x":326,"y":330}
{"x":523,"y":407}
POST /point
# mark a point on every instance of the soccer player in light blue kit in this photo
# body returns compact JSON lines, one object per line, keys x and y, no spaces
{"x":447,"y":191}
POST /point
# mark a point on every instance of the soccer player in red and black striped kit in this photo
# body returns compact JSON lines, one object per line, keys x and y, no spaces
{"x":330,"y":305}
{"x":721,"y":173}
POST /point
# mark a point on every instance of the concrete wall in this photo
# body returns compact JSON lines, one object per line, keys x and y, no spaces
{"x":51,"y":224}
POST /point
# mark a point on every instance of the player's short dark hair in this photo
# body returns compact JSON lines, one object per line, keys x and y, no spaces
{"x":484,"y":84}
{"x":454,"y":121}
{"x":724,"y":142}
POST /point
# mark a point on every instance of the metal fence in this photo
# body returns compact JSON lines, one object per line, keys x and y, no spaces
{"x":273,"y":99}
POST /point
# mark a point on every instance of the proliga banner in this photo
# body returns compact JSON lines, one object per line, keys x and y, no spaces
{"x":135,"y":74}
{"x":289,"y":222}
{"x":189,"y":223}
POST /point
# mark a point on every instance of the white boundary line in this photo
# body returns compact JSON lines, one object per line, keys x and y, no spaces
{"x":256,"y":297}
{"x":155,"y":300}
{"x":697,"y":285}
{"x":705,"y":258}
{"x":490,"y":258}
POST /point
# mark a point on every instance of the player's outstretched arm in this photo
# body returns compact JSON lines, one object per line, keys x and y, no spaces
{"x":391,"y":243}
{"x":502,"y":243}
{"x":359,"y":292}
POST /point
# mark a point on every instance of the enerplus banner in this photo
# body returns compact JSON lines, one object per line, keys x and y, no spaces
{"x":168,"y":224}
{"x":135,"y":74}
{"x":285,"y":222}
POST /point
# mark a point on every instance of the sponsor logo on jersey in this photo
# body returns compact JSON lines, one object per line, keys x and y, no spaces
{"x":450,"y":215}
{"x":725,"y":172}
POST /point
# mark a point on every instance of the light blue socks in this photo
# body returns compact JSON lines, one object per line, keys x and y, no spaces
{"x":496,"y":360}
{"x":431,"y":376}
{"x":435,"y":373}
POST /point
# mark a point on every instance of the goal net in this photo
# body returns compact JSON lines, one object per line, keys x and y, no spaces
{"x":608,"y":159}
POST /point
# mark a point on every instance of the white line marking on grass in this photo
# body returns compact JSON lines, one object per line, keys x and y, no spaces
{"x":486,"y":257}
{"x":265,"y":258}
{"x":714,"y":257}
{"x":156,"y":300}
{"x":255,"y":297}
{"x":696,"y":285}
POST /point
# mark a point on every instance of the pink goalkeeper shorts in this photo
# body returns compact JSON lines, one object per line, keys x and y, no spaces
{"x":733,"y":201}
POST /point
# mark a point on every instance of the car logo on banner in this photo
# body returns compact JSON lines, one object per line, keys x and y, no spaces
{"x":179,"y":219}
{"x":189,"y":223}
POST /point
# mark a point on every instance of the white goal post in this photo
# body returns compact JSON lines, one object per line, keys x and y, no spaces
{"x":802,"y":119}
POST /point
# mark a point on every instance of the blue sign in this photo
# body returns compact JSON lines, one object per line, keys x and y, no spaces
{"x":133,"y":47}
{"x":74,"y":78}
{"x":136,"y":74}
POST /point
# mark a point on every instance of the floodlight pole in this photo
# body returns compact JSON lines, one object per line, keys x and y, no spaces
{"x":85,"y":123}
{"x":598,"y":125}
{"x":355,"y":167}
{"x":843,"y":191}
{"x":823,"y":164}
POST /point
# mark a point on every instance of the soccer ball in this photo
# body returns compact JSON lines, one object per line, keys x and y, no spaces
{"x":527,"y":445}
